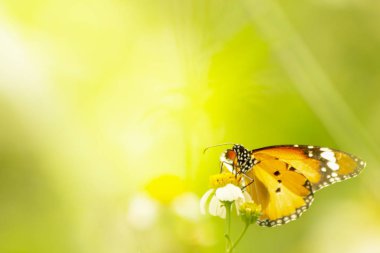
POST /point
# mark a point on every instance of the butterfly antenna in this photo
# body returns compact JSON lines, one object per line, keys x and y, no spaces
{"x":218,"y":145}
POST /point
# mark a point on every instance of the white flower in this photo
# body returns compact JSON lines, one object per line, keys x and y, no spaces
{"x":229,"y":193}
{"x":215,"y":199}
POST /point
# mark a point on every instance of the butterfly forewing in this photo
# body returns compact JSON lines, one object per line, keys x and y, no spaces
{"x":321,"y":166}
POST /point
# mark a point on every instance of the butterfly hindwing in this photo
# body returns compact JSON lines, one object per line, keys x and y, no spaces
{"x":282,"y":193}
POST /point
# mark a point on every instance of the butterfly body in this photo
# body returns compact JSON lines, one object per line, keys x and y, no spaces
{"x":283,"y":179}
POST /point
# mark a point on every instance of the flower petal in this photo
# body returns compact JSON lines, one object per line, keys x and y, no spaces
{"x":216,"y":208}
{"x":229,"y":192}
{"x":205,"y":198}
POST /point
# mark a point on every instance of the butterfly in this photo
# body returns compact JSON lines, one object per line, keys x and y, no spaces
{"x":283,"y":179}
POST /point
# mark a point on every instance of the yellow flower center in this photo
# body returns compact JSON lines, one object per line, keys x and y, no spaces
{"x":223,"y":179}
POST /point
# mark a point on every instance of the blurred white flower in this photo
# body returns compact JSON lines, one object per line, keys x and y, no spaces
{"x":142,"y":212}
{"x":186,"y":206}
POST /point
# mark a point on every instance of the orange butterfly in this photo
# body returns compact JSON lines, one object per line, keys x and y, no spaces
{"x":283,"y":179}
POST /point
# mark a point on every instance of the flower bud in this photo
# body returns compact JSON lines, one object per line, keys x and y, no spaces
{"x":249,"y":212}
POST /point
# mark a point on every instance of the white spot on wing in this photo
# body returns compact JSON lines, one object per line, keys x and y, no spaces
{"x":333,"y":165}
{"x":328,"y":155}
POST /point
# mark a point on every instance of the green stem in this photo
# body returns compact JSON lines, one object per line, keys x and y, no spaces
{"x":238,"y":240}
{"x":227,"y":205}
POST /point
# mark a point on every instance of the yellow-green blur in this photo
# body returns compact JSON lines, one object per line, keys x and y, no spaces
{"x":106,"y":108}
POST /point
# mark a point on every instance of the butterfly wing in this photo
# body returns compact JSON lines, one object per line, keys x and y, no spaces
{"x":284,"y":178}
{"x":321,"y":166}
{"x":282,"y":193}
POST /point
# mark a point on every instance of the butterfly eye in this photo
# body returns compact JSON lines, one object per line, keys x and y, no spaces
{"x":230,"y":155}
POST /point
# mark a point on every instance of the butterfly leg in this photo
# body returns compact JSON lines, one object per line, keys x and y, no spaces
{"x":221,"y":167}
{"x":251,"y":181}
{"x":231,"y":168}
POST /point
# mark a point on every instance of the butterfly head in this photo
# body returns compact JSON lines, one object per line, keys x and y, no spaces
{"x":239,"y":158}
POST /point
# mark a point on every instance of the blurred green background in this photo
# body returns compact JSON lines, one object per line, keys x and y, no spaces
{"x":106,"y":106}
